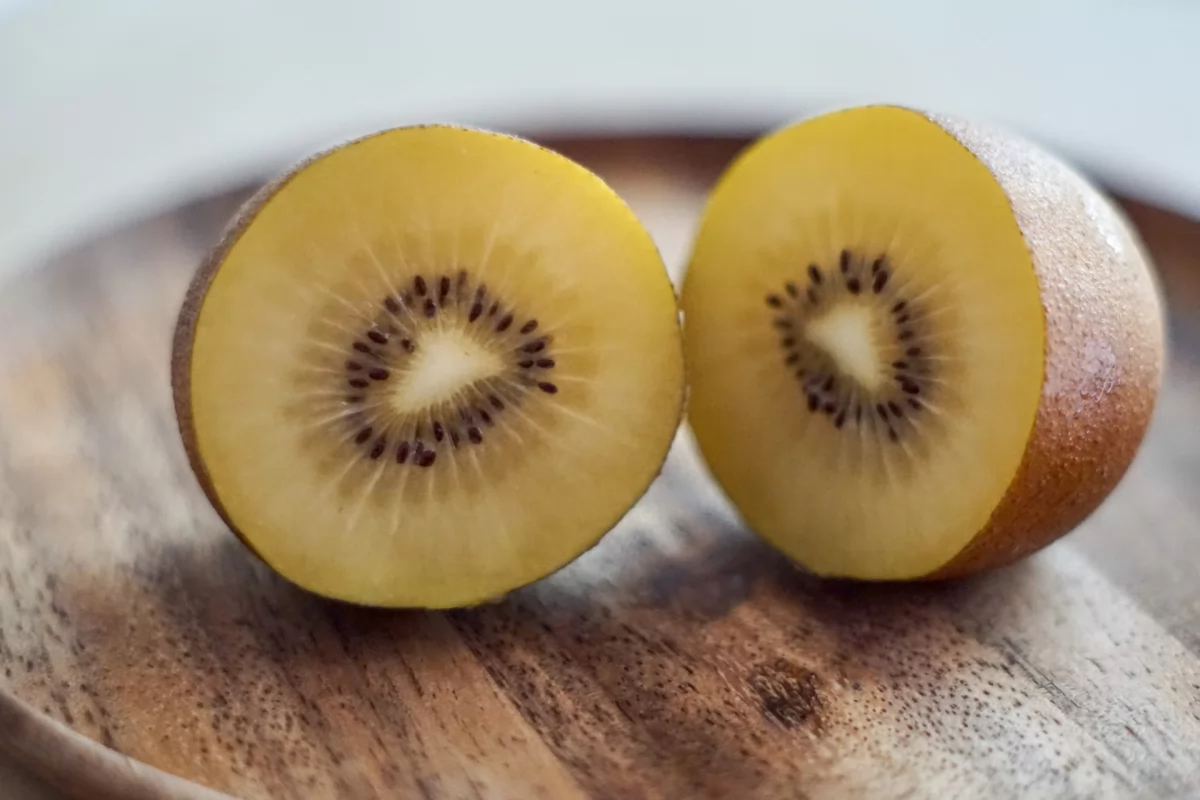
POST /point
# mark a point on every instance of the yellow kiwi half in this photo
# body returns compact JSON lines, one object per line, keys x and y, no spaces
{"x":428,"y":367}
{"x":917,"y":346}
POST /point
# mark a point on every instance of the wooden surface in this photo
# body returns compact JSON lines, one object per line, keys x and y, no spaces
{"x":679,"y":659}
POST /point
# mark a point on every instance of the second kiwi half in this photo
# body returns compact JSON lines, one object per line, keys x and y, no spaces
{"x":918,"y":346}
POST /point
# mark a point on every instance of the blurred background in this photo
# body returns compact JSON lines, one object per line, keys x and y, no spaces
{"x":110,"y":111}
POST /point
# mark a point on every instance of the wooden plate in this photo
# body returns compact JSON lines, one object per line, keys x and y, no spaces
{"x":144,"y":653}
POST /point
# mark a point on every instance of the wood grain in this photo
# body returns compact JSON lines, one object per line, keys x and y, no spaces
{"x":680,"y":658}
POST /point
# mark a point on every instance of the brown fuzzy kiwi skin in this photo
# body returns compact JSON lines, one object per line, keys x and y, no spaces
{"x":193,"y":299}
{"x":1105,"y":349}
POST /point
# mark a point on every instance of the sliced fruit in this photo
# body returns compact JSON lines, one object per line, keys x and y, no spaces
{"x":428,"y":367}
{"x":917,"y":347}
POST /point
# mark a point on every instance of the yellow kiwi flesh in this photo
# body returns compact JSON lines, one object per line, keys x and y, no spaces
{"x":428,"y":367}
{"x":917,"y":347}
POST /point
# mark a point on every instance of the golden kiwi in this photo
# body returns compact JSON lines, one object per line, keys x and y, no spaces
{"x":428,"y":367}
{"x":917,"y":347}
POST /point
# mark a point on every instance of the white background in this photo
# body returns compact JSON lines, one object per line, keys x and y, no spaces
{"x":112,"y":109}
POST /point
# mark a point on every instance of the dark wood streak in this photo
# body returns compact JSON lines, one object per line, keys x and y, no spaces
{"x":679,"y":658}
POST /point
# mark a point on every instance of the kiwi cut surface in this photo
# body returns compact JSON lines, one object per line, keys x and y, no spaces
{"x":428,"y":367}
{"x":917,"y":347}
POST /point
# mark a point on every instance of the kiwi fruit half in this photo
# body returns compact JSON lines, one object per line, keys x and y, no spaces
{"x":428,"y":366}
{"x":918,"y":347}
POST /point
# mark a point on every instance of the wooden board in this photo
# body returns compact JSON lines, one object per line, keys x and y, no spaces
{"x":144,"y":653}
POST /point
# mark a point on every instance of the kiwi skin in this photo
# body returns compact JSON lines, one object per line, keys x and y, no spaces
{"x":1105,"y":349}
{"x":193,"y":299}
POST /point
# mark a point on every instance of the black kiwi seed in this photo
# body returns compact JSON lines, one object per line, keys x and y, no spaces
{"x":402,"y":452}
{"x":881,"y":279}
{"x":881,"y":410}
{"x":896,"y":309}
{"x":909,"y":387}
{"x":359,"y":383}
{"x":439,"y":432}
{"x":774,"y":301}
{"x":485,"y":416}
{"x":913,"y":351}
{"x":546,"y":363}
{"x":426,"y":458}
{"x":791,"y":289}
{"x":408,"y":345}
{"x":476,"y":311}
{"x":378,"y":374}
{"x":894,"y":408}
{"x":526,"y":364}
{"x":813,"y":402}
{"x":535,"y":347}
{"x":903,"y":318}
{"x":844,"y":261}
{"x":529,"y":327}
{"x":877,"y":265}
{"x":854,"y":286}
{"x":378,"y":448}
{"x":362,"y":347}
{"x":354,"y":398}
{"x":443,"y":289}
{"x":899,"y":365}
{"x":419,"y":286}
{"x":474,"y":434}
{"x":504,"y":323}
{"x":363,"y":435}
{"x":353,"y":366}
{"x":547,"y":387}
{"x":496,"y":402}
{"x":495,"y":307}
{"x":429,"y":308}
{"x":915,"y":403}
{"x":814,"y":274}
{"x":391,"y":304}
